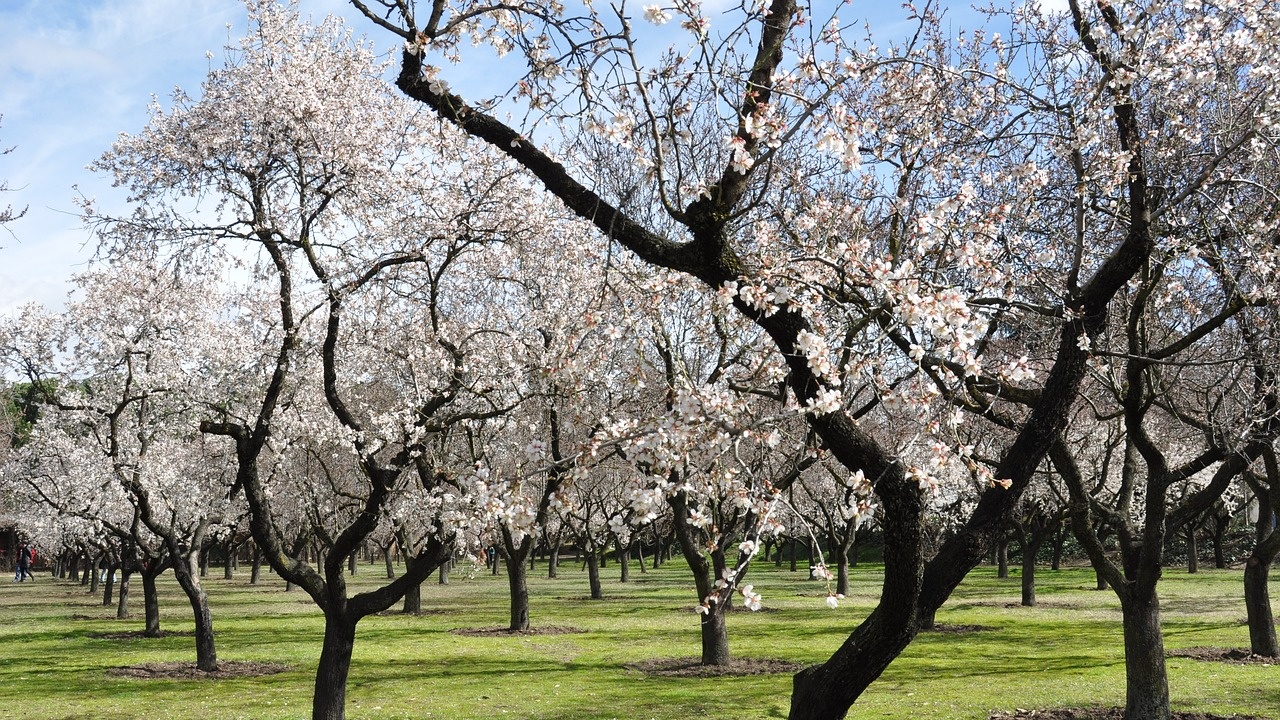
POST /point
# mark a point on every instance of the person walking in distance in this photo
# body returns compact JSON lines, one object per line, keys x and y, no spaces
{"x":24,"y":563}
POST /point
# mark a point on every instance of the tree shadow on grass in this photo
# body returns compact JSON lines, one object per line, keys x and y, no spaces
{"x":227,"y":669}
{"x":506,"y":631}
{"x":692,"y":667}
{"x":1104,"y":714}
{"x":957,"y":629}
{"x":141,"y":635}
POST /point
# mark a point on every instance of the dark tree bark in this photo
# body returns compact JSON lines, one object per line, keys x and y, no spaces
{"x":518,"y":586}
{"x":1220,"y":525}
{"x":122,"y":605}
{"x":593,"y":575}
{"x":413,"y":600}
{"x":1257,"y":602}
{"x":93,"y":575}
{"x":186,"y":570}
{"x":391,"y":569}
{"x":151,"y":596}
{"x":255,"y":572}
{"x":1257,"y":569}
{"x":228,"y":561}
{"x":1193,"y":549}
{"x":1146,"y":680}
{"x":624,"y":562}
{"x":329,"y":700}
{"x":715,"y":637}
{"x":1029,"y":550}
{"x":109,"y":586}
{"x":444,"y":571}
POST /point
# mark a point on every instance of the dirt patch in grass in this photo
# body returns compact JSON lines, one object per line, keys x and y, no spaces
{"x":394,"y":612}
{"x":1104,"y":714}
{"x":949,"y":629}
{"x":499,"y":631}
{"x":140,"y":635}
{"x":691,"y":667}
{"x":1234,"y":656}
{"x":227,"y":669}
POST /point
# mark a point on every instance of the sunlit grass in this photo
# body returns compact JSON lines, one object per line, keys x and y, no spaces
{"x":1065,"y":652}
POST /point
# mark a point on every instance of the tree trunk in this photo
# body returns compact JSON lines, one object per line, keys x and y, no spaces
{"x":1257,"y":598}
{"x":228,"y":561}
{"x":109,"y":586}
{"x":624,"y":562}
{"x":1219,"y":556}
{"x":391,"y":569}
{"x":1257,"y":602}
{"x":329,"y":699}
{"x":793,"y":554}
{"x":257,"y":565}
{"x":186,"y":571}
{"x":1193,"y":550}
{"x":517,"y":582}
{"x":715,"y":638}
{"x":204,"y":564}
{"x":553,"y":562}
{"x":639,"y":547}
{"x":92,"y":576}
{"x":351,"y":563}
{"x":1146,"y":678}
{"x":842,"y":572}
{"x":413,"y":600}
{"x":122,"y":605}
{"x":1002,"y":558}
{"x":927,"y":617}
{"x":151,"y":600}
{"x":1059,"y":538}
{"x":1102,"y":581}
{"x":1030,"y":548}
{"x":593,"y":575}
{"x":444,"y":571}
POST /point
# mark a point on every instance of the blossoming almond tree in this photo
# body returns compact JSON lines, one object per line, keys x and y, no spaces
{"x":122,"y":412}
{"x":381,"y":314}
{"x":932,"y":148}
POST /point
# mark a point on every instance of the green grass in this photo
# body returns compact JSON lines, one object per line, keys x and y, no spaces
{"x":1064,"y":653}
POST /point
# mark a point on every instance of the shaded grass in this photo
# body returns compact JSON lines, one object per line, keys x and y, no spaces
{"x":1064,"y":653}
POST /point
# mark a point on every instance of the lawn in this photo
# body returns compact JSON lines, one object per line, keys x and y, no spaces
{"x":54,"y":660}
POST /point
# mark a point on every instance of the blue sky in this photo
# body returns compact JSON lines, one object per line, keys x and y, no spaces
{"x":76,"y":73}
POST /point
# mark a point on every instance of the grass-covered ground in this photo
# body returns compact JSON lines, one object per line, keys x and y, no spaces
{"x":54,"y":661}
